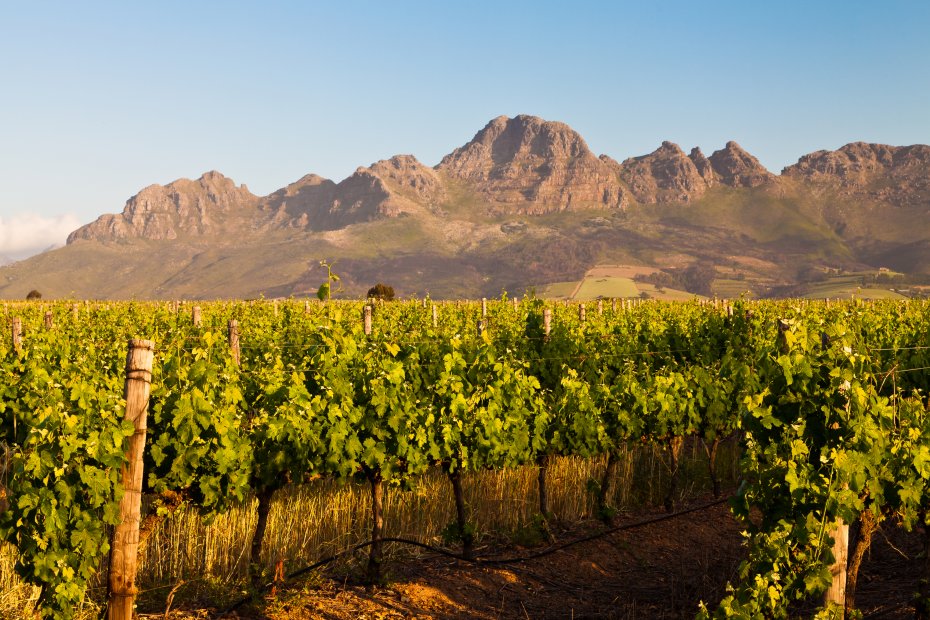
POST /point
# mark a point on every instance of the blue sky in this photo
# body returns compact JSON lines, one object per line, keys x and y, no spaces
{"x":100,"y":99}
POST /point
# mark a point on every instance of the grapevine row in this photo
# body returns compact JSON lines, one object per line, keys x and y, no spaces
{"x":827,"y":402}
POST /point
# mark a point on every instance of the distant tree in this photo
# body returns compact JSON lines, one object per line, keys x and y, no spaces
{"x":698,"y":278}
{"x":381,"y":291}
{"x":34,"y":294}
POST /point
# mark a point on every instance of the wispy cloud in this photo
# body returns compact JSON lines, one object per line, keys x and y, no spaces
{"x":25,"y":234}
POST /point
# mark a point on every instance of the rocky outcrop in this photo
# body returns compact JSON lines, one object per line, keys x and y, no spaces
{"x":294,"y":205}
{"x":666,"y":175}
{"x":703,"y":166}
{"x":896,"y":174}
{"x":182,"y":208}
{"x":528,"y":165}
{"x":381,"y":191}
{"x":411,"y":178}
{"x":735,"y":167}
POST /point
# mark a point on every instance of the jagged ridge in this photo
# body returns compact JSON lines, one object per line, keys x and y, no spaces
{"x":521,"y":165}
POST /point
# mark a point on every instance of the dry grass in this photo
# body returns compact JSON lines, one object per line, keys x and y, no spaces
{"x":317,"y":519}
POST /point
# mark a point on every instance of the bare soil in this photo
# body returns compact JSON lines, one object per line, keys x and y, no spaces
{"x":658,"y":571}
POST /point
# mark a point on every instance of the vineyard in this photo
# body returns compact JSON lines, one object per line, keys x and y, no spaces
{"x":824,"y":406}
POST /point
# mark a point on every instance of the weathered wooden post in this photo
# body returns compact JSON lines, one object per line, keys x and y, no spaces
{"x":75,"y":309}
{"x":49,"y":320}
{"x":367,"y":320}
{"x":17,"y":333}
{"x":484,"y":307}
{"x":124,"y":543}
{"x":547,"y":321}
{"x":233,"y":330}
{"x":836,"y":593}
{"x":195,"y":316}
{"x":600,"y":307}
{"x":582,"y":316}
{"x":481,"y":327}
{"x":435,"y":316}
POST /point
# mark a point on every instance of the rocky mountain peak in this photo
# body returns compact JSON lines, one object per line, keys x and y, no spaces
{"x":857,"y":162}
{"x":530,"y":165}
{"x":735,"y":167}
{"x":507,"y":141}
{"x":896,"y":174}
{"x":183,"y":207}
{"x":703,"y":165}
{"x":665,"y":175}
{"x":410,"y":177}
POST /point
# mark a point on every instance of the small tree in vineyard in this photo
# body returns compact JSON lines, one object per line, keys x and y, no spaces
{"x":381,"y":291}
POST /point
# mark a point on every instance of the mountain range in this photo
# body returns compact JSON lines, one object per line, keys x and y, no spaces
{"x":523,"y":204}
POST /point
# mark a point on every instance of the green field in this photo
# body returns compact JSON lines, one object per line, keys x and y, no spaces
{"x":594,"y":288}
{"x":838,"y":291}
{"x":666,"y":294}
{"x":732,"y":289}
{"x":607,"y":287}
{"x":558,"y":290}
{"x":850,"y":285}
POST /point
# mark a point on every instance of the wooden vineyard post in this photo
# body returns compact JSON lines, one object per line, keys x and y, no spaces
{"x":435,"y":316}
{"x":484,"y":307}
{"x":482,"y":324}
{"x":375,"y":554}
{"x":836,"y":593}
{"x":233,"y":329}
{"x":75,"y":309}
{"x":516,"y":303}
{"x":124,"y":544}
{"x":613,"y":304}
{"x":195,"y":316}
{"x":17,"y":333}
{"x":547,"y":322}
{"x":49,"y":320}
{"x":582,"y":316}
{"x":600,"y":307}
{"x":367,"y":320}
{"x":275,"y":302}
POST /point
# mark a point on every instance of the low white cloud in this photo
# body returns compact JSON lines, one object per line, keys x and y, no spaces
{"x":25,"y":234}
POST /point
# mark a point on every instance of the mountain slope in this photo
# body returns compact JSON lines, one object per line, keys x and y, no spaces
{"x":525,"y":202}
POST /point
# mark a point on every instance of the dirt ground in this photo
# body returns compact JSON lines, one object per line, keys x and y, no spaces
{"x":659,"y":571}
